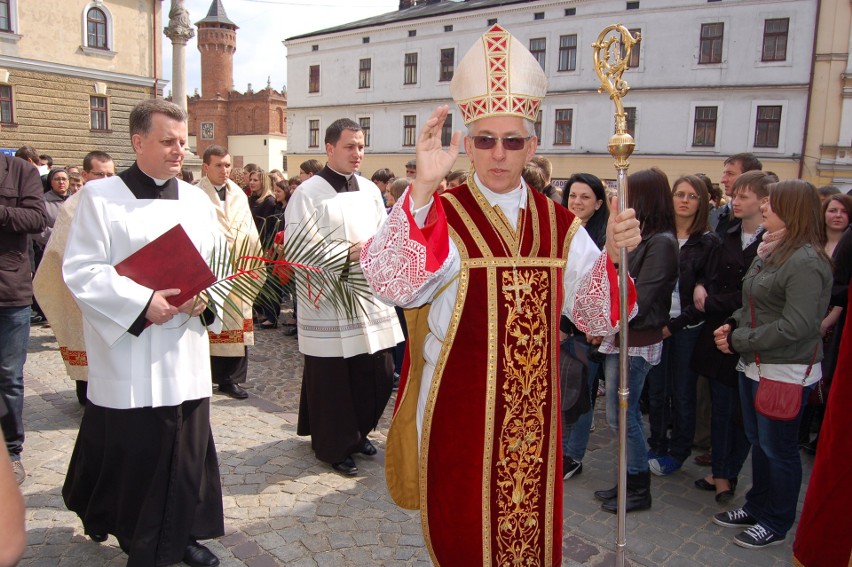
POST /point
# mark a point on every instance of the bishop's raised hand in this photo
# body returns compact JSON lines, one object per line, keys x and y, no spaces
{"x":433,"y":161}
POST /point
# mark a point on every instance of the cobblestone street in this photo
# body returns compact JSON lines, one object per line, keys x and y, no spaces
{"x":283,"y":507}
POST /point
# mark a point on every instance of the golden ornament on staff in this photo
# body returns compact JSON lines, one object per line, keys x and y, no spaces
{"x":612,"y":58}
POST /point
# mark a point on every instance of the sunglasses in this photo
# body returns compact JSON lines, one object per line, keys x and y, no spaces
{"x":511,"y":143}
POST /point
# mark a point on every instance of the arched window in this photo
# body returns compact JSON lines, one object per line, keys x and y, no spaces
{"x":96,"y":28}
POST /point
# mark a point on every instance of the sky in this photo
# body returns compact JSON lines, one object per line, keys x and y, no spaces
{"x":263,"y":26}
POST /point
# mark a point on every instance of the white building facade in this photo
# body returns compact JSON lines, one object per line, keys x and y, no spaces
{"x":710,"y":79}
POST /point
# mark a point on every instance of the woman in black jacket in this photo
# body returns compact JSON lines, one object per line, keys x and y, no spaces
{"x":718,"y":297}
{"x":672,"y":383}
{"x":653,"y":267}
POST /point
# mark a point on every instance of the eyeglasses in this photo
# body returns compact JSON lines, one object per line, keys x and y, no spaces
{"x":511,"y":143}
{"x":680,"y":195}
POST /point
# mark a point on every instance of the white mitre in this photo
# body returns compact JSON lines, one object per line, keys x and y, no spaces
{"x":498,"y":76}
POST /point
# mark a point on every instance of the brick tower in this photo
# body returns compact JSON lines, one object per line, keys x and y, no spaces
{"x":217,"y":42}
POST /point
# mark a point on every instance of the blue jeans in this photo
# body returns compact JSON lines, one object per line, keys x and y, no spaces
{"x":672,"y":396}
{"x":575,"y":438}
{"x":14,"y":335}
{"x":728,"y":441}
{"x":775,"y":462}
{"x":638,"y":367}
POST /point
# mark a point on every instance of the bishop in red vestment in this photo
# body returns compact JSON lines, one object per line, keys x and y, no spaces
{"x":486,"y":269}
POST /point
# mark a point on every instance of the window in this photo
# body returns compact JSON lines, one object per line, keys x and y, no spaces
{"x":6,"y":116}
{"x":492,"y":22}
{"x":410,"y":76}
{"x":314,"y":79}
{"x":364,"y":122}
{"x":630,"y":116}
{"x":315,"y":48}
{"x":632,"y":6}
{"x":98,"y":107}
{"x":570,"y":11}
{"x":538,"y":16}
{"x":5,"y":15}
{"x":775,"y":39}
{"x":313,"y":133}
{"x":568,"y":52}
{"x":704,"y":128}
{"x":447,"y":131}
{"x":412,"y":33}
{"x":448,"y":64}
{"x":96,"y":29}
{"x":409,"y":129}
{"x":710,"y":50}
{"x":538,"y":47}
{"x":564,"y":125}
{"x":634,"y":52}
{"x":768,"y":128}
{"x":365,"y":40}
{"x":448,"y":28}
{"x":365,"y":70}
{"x":537,"y":125}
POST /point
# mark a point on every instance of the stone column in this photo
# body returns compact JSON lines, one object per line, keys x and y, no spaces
{"x":179,"y":30}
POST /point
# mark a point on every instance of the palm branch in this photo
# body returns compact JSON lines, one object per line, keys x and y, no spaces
{"x":318,"y":271}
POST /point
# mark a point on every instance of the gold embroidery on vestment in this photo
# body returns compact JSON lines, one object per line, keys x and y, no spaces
{"x":490,"y":403}
{"x":526,"y":371}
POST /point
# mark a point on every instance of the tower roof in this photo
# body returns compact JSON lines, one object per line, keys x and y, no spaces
{"x":216,"y":15}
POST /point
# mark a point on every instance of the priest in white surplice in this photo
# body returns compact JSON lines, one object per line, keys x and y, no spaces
{"x":488,"y":267}
{"x":144,"y":467}
{"x":348,"y":372}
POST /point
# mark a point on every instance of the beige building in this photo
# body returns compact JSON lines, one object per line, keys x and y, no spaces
{"x":827,"y":158}
{"x":71,"y":70}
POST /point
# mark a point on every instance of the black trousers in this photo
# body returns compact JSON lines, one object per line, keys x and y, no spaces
{"x":229,"y":369}
{"x":342,"y":400}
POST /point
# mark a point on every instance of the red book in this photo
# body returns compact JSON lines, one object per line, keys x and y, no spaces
{"x":170,"y":261}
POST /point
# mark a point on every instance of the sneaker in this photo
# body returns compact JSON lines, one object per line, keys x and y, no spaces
{"x":20,"y":473}
{"x":734,"y":519}
{"x":664,"y":466}
{"x":756,"y":537}
{"x":652,"y":454}
{"x":570,"y":468}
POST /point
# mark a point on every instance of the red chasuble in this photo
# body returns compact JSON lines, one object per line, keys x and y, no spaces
{"x":490,"y":472}
{"x":824,"y":535}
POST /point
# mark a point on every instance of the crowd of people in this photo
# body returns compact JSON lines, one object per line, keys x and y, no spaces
{"x":732,"y":286}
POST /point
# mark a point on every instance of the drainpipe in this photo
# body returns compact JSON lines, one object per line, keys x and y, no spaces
{"x":810,"y":92}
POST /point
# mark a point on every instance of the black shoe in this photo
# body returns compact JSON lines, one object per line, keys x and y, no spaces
{"x":738,"y":518}
{"x":291,"y":332}
{"x":98,"y":538}
{"x":234,"y":391}
{"x":570,"y":468}
{"x":638,"y":494}
{"x":704,"y":485}
{"x":367,"y":448}
{"x":756,"y":537}
{"x":196,"y":555}
{"x":82,"y":388}
{"x":607,"y":495}
{"x":346,"y":466}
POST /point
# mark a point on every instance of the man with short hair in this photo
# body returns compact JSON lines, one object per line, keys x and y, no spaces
{"x":734,"y":166}
{"x":411,"y":169}
{"x":485,"y":270}
{"x":45,"y":160}
{"x":29,"y":154}
{"x":348,"y":372}
{"x":22,"y":212}
{"x":144,"y":467}
{"x":229,"y":348}
{"x":96,"y":165}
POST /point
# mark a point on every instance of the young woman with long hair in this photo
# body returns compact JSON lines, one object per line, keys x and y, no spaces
{"x":777,"y":336}
{"x":672,"y":383}
{"x":653,"y":267}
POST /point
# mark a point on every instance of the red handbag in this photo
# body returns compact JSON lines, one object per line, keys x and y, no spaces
{"x":781,"y":401}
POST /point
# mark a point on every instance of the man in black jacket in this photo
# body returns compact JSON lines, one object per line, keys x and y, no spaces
{"x":21,"y":213}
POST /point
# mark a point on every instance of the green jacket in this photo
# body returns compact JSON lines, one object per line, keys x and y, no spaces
{"x":790,"y":302}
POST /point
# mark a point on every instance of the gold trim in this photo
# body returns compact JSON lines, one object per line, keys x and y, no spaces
{"x":572,"y":230}
{"x":466,"y":219}
{"x":437,"y":375}
{"x":555,"y":312}
{"x":497,"y":218}
{"x":490,"y":399}
{"x":507,"y":262}
{"x":554,"y":232}
{"x":536,"y":226}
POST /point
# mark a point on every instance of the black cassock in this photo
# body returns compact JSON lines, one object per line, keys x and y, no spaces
{"x":149,"y":476}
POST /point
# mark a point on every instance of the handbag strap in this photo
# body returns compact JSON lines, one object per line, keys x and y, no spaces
{"x":757,"y":354}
